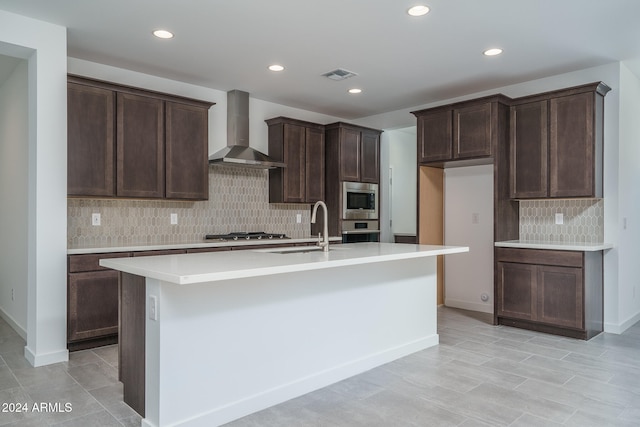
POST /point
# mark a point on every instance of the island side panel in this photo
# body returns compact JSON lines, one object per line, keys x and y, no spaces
{"x":222,"y":350}
{"x":131,"y":349}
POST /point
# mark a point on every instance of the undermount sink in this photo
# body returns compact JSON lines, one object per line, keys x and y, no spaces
{"x":301,"y":250}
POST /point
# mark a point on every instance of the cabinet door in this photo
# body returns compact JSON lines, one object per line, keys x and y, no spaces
{"x":349,"y":155}
{"x":560,"y":299}
{"x":90,"y":141}
{"x":517,"y":290}
{"x":93,"y":305}
{"x":294,"y":157}
{"x":140,"y":146}
{"x":314,"y":167}
{"x":529,"y":142}
{"x":187,"y":165}
{"x":472,"y":131}
{"x":370,"y":162}
{"x":571,"y":146}
{"x":434,"y":136}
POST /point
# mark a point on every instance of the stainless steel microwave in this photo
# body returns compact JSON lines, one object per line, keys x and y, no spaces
{"x":359,"y":200}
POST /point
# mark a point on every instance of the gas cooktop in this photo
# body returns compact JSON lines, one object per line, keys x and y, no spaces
{"x":246,"y":235}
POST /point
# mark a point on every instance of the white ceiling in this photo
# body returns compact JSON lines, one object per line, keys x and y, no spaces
{"x":401,"y":61}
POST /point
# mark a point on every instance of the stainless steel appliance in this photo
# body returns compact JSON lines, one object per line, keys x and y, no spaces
{"x":238,"y":152}
{"x":359,"y":200}
{"x":246,"y":235}
{"x":356,"y":231}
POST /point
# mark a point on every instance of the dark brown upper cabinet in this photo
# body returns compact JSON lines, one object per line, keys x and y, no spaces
{"x":91,"y":141}
{"x":460,"y":134}
{"x":354,"y":151}
{"x":139,"y":146}
{"x":186,"y":151}
{"x":300,"y":145}
{"x":435,"y":130}
{"x":132,"y":143}
{"x":556,"y":143}
{"x":529,"y":150}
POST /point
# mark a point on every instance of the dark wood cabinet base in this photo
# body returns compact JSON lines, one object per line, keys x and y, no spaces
{"x":131,"y":352}
{"x":92,"y":343}
{"x":551,"y":291}
{"x":548,"y":329}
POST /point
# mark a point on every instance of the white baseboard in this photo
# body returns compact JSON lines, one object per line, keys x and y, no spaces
{"x":12,"y":322}
{"x":468,"y":305}
{"x":619,"y":328}
{"x":46,"y":358}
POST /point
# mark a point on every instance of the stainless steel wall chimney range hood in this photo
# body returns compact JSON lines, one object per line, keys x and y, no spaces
{"x":238,"y":152}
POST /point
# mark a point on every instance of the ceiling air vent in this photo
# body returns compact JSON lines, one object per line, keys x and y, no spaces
{"x":339,"y":74}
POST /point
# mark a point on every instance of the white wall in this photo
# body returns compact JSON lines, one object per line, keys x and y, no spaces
{"x":621,"y":134}
{"x":629,"y":206}
{"x":14,"y":140}
{"x":468,"y":221}
{"x":44,"y":46}
{"x":402,"y":161}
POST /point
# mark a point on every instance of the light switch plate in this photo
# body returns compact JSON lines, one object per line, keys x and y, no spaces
{"x":95,"y":219}
{"x":559,"y":218}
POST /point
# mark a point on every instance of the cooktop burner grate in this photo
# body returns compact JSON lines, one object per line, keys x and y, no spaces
{"x":246,"y":235}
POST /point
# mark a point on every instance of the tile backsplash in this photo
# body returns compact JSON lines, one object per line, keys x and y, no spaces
{"x":238,"y":201}
{"x":583,"y":220}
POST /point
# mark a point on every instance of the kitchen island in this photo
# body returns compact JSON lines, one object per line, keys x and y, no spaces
{"x":208,"y":338}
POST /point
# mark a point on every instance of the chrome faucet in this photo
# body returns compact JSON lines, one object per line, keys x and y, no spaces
{"x":324,"y":243}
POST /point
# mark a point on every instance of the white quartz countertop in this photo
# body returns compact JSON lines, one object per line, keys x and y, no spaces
{"x":558,"y":246}
{"x":184,"y":269}
{"x":204,"y":244}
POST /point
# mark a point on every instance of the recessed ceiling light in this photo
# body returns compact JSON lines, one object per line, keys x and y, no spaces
{"x":355,"y":90}
{"x":163,"y":34}
{"x":493,"y":52}
{"x":276,"y":67}
{"x":418,"y":10}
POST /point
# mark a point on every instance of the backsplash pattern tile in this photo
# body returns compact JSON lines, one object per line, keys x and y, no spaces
{"x":238,"y":201}
{"x":583,"y":220}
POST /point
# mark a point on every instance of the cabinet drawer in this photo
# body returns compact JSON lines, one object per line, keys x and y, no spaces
{"x":540,"y":256}
{"x":90,"y":262}
{"x":160,"y":252}
{"x":213,"y":249}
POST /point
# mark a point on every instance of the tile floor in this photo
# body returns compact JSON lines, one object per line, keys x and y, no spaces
{"x":479,"y":375}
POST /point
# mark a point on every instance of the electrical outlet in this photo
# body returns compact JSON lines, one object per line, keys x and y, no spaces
{"x":95,"y":219}
{"x":153,"y":307}
{"x":174,"y":218}
{"x":559,"y":218}
{"x":298,"y":218}
{"x":12,"y":295}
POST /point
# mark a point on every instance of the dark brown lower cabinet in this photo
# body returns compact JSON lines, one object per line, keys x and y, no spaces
{"x":92,"y":302}
{"x":92,"y":294}
{"x":550,"y":291}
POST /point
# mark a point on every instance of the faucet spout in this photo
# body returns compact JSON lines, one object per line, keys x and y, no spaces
{"x":324,"y":244}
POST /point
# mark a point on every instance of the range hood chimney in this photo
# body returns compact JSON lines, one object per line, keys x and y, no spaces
{"x":238,"y":152}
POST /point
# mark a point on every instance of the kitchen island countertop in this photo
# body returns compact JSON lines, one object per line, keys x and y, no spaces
{"x":262,"y":326}
{"x":184,"y":269}
{"x":558,"y":246}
